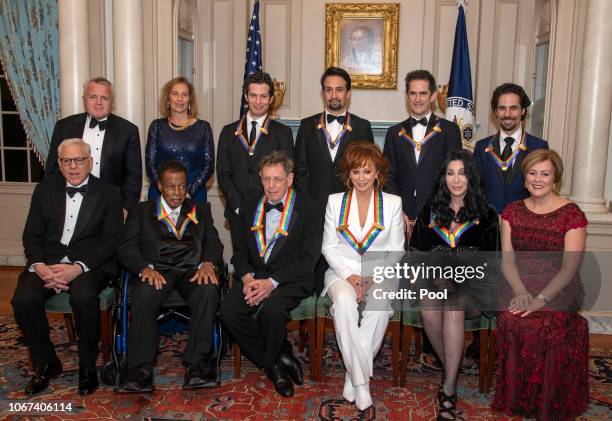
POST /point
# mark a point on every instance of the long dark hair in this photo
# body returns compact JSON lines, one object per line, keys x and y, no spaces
{"x":474,"y":202}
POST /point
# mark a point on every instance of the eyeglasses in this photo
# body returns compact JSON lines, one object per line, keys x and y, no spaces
{"x":79,"y":161}
{"x":273,"y":180}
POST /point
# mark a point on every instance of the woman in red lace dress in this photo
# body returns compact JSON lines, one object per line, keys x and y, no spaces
{"x":542,"y":341}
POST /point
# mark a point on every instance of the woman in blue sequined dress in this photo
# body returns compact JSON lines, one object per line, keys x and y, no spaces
{"x":181,"y":136}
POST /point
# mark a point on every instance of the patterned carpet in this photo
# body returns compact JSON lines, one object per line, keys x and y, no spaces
{"x":253,"y":397}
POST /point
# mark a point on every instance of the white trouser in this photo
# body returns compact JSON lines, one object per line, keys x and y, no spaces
{"x":358,"y":344}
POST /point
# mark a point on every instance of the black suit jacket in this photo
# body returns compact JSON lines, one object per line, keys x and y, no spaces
{"x":96,"y":234}
{"x":316,"y":173}
{"x":121,"y":158}
{"x":141,"y":240}
{"x":293,"y":258}
{"x":237,"y":172}
{"x":405,"y":175}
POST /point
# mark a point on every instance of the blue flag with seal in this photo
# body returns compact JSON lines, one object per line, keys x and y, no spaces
{"x":459,"y":101}
{"x":253,"y":53}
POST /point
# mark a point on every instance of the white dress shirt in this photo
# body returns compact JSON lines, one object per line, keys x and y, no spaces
{"x":516,"y":136}
{"x":174,"y":213}
{"x":94,"y":138}
{"x":259,"y":122}
{"x":334,"y":128}
{"x":418,"y":134}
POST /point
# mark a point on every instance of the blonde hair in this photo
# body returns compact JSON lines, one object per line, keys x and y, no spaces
{"x":164,"y":108}
{"x":542,"y":155}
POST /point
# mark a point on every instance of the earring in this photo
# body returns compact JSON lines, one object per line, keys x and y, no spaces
{"x":189,"y":108}
{"x":349,"y":184}
{"x":377,"y":185}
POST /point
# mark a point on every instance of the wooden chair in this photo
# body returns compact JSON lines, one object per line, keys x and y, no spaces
{"x":302,"y":317}
{"x":412,"y":331}
{"x":323,"y":316}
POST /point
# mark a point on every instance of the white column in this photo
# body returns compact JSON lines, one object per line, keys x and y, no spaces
{"x":73,"y":22}
{"x":128,"y":58}
{"x":595,"y":107}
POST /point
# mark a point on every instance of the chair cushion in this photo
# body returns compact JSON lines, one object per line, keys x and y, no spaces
{"x":324,"y":304}
{"x":306,"y":309}
{"x":412,"y":317}
{"x":59,"y":303}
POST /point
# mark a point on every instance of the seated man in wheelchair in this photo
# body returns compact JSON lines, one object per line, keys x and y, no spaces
{"x":70,"y":237}
{"x":171,"y":243}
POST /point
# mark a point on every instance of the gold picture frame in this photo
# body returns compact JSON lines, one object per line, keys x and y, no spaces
{"x":362,"y":38}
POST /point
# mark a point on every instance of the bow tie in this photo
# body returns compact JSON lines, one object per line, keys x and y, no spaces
{"x":269,"y":206}
{"x":341,"y":118}
{"x":413,"y":121}
{"x":93,"y":123}
{"x":74,"y":190}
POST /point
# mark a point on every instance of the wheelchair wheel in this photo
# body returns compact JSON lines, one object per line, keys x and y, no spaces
{"x":109,"y":374}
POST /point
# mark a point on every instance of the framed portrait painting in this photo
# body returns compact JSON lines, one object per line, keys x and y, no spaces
{"x":362,"y":39}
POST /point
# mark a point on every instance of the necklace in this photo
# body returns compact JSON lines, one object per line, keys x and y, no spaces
{"x":178,"y":126}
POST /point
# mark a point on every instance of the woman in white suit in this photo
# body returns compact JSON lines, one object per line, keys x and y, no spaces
{"x":362,"y":219}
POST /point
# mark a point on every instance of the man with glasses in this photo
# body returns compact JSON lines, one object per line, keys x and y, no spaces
{"x":70,"y":238}
{"x":114,"y":142}
{"x":171,"y":242}
{"x":278,"y":246}
{"x":499,"y":157}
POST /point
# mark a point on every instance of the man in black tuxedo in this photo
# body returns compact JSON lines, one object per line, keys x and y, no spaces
{"x":114,"y":142}
{"x":274,"y":262}
{"x":70,"y":237}
{"x":323,"y":137}
{"x":321,"y":141}
{"x":243,"y":143}
{"x":171,"y":243}
{"x":417,"y":147}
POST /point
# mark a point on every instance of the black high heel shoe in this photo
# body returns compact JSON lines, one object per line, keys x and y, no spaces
{"x":448,"y":412}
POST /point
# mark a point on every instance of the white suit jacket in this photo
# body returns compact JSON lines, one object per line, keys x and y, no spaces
{"x":343,"y":259}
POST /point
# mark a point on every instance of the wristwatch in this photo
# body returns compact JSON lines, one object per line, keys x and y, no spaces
{"x":542,"y":297}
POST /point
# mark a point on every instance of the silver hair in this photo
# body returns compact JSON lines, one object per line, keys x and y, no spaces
{"x":100,"y":80}
{"x":74,"y":141}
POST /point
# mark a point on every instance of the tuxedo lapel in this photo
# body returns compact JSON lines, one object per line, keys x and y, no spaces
{"x":346,"y":139}
{"x":280,"y":242}
{"x":321,"y":137}
{"x":424,"y":148}
{"x":498,"y":171}
{"x":518,"y":162}
{"x":408,"y":129}
{"x":195,"y":229}
{"x":58,"y":197}
{"x":88,"y":207}
{"x":111,"y":133}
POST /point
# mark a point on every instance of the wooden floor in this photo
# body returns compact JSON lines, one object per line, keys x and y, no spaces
{"x":8,"y":281}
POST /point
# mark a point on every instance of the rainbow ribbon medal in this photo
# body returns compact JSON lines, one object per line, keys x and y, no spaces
{"x":283,"y":225}
{"x":450,"y":237}
{"x":377,"y":226}
{"x":164,"y":217}
{"x":504,"y":165}
{"x":345,"y":129}
{"x":241,"y":129}
{"x":428,"y":136}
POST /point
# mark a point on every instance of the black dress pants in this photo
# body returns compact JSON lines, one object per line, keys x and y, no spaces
{"x":29,"y":309}
{"x":260,"y":332}
{"x":146,"y":300}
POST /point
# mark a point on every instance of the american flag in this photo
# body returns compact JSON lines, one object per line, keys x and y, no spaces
{"x":253,"y":52}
